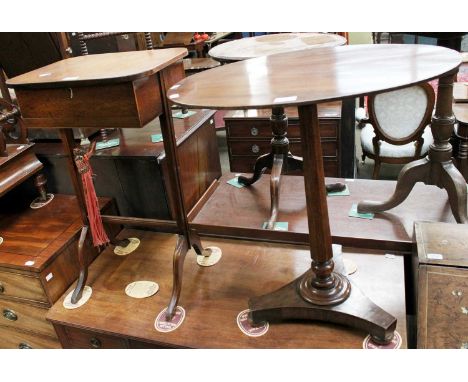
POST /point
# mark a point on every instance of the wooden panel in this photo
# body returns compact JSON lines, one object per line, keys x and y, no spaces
{"x":443,"y":308}
{"x":391,"y":230}
{"x":28,"y":318}
{"x":19,"y":165}
{"x":14,"y":339}
{"x":21,"y":286}
{"x":258,"y":147}
{"x":244,"y":128}
{"x":114,"y":105}
{"x":246,"y":164}
{"x":212,"y":297}
{"x":73,"y":338}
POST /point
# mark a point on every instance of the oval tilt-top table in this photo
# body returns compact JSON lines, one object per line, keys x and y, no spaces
{"x":304,"y":79}
{"x":280,"y":158}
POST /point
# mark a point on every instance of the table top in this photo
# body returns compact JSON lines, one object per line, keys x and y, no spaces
{"x":313,"y":76}
{"x":258,"y":46}
{"x":99,"y":68}
{"x":213,"y":297}
{"x":249,"y":207}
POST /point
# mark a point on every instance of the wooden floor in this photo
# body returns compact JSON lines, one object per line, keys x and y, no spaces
{"x":212,"y":297}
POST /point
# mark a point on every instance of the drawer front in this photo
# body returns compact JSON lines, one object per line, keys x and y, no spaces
{"x":21,"y":286}
{"x":250,"y":147}
{"x":25,"y":317}
{"x":84,"y":339}
{"x":15,"y":339}
{"x":443,"y":308}
{"x":245,"y":164}
{"x":261,"y":129}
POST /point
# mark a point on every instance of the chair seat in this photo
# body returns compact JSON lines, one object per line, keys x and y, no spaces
{"x":388,"y":150}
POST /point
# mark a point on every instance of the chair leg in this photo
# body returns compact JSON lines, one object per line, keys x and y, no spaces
{"x":375,"y":174}
{"x":363,"y":157}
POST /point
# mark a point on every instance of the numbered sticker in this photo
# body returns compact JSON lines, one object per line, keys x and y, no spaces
{"x":395,"y":343}
{"x":161,"y":323}
{"x":247,"y":328}
{"x":87,"y":292}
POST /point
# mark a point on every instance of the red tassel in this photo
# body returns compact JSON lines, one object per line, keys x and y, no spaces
{"x":92,"y":205}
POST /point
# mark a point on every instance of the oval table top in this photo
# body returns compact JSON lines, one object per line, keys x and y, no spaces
{"x":251,"y":47}
{"x":99,"y":68}
{"x":313,"y":76}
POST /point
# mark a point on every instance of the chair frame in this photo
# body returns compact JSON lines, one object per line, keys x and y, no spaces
{"x":380,"y":135}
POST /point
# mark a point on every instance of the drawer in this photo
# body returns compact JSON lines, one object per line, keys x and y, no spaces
{"x":329,"y":148}
{"x":245,"y":164}
{"x":21,"y":286}
{"x":15,"y":339}
{"x":25,"y":317}
{"x":84,"y":339}
{"x":443,"y":307}
{"x":261,"y":128}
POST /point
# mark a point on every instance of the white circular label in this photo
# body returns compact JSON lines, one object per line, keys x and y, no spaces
{"x":213,"y":255}
{"x":1,"y":240}
{"x":37,"y":203}
{"x":132,"y":246}
{"x":87,"y":292}
{"x":162,"y":325}
{"x":246,"y":327}
{"x":350,"y":266}
{"x":395,"y":343}
{"x":141,"y":289}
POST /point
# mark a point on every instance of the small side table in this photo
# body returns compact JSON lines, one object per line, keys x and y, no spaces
{"x":279,"y":159}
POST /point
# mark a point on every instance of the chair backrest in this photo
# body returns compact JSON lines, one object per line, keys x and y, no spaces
{"x":400,"y":116}
{"x":83,"y":38}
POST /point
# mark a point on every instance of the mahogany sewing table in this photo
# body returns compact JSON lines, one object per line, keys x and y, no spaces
{"x":280,"y":159}
{"x":124,"y":90}
{"x":303,"y":79}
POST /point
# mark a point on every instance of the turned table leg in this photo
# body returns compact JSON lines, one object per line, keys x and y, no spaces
{"x":438,"y":168}
{"x":320,"y":293}
{"x":462,"y":157}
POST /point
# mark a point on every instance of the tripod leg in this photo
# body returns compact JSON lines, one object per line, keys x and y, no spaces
{"x":78,"y":292}
{"x":417,"y":171}
{"x":455,"y":185}
{"x":178,"y":267}
{"x":263,"y":162}
{"x":275,"y":182}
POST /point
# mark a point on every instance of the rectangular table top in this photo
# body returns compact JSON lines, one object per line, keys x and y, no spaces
{"x":249,"y":207}
{"x":213,"y":297}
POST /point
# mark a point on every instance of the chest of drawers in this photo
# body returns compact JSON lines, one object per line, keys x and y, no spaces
{"x":442,"y":294}
{"x":249,"y":134}
{"x":38,"y":262}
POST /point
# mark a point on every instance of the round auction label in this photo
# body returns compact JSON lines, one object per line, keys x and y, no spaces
{"x":37,"y":203}
{"x":141,"y":289}
{"x":162,"y":325}
{"x":246,"y":327}
{"x":1,"y":240}
{"x":350,"y":266}
{"x":132,"y":246}
{"x":87,"y":292}
{"x":214,"y":256}
{"x":395,"y":343}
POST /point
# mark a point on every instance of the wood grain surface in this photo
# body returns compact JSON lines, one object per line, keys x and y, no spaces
{"x":248,"y":208}
{"x":314,"y":75}
{"x":212,"y":297}
{"x":252,"y":47}
{"x":99,"y":69}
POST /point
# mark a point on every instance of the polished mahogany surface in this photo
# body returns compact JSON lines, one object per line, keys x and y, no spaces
{"x":252,"y":47}
{"x":248,"y":207}
{"x":314,"y":75}
{"x":213,"y":297}
{"x":99,"y":69}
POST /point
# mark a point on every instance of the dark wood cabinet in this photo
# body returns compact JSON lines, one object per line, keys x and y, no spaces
{"x":135,"y":173}
{"x":249,"y":134}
